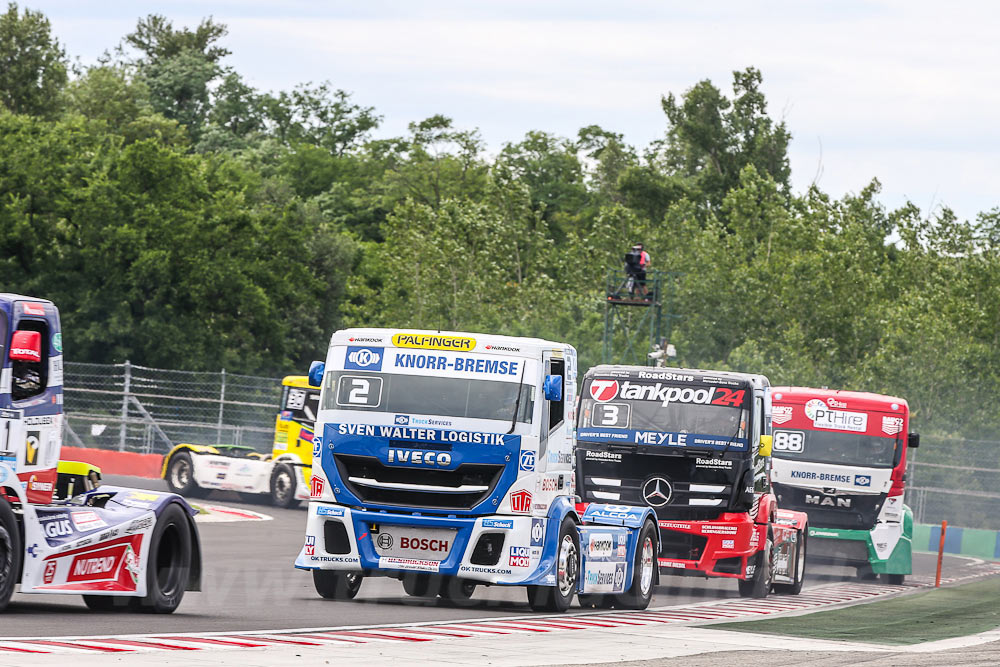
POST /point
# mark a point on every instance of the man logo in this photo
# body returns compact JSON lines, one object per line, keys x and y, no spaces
{"x":385,"y":541}
{"x":603,"y":391}
{"x":364,"y":358}
{"x":527,"y":461}
{"x":657,"y":492}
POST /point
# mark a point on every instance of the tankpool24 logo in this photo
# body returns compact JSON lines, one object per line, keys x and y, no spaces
{"x":364,"y":358}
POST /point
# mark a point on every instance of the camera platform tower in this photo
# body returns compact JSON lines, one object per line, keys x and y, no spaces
{"x":634,"y":316}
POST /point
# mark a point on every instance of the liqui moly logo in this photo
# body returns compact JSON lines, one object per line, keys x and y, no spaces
{"x":520,"y":502}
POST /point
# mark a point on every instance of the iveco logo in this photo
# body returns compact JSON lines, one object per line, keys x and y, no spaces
{"x":657,"y":492}
{"x":364,"y":357}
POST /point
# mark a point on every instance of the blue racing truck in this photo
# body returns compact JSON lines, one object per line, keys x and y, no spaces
{"x":445,"y":460}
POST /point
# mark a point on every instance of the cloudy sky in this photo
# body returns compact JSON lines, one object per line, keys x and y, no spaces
{"x":905,"y":91}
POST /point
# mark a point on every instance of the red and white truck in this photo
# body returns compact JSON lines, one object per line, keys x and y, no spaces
{"x":841,"y":457}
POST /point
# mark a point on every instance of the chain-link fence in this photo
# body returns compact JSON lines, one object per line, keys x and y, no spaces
{"x":137,"y":409}
{"x":955,"y":479}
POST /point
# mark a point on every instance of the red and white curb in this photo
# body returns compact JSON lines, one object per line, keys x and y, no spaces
{"x":812,"y":599}
{"x":209,"y":513}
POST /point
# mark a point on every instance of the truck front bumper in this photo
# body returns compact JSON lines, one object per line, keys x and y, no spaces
{"x":490,"y":549}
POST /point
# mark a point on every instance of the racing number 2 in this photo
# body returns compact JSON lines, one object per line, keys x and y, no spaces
{"x":358,"y":391}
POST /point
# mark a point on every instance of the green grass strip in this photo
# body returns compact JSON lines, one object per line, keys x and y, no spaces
{"x":911,"y":619}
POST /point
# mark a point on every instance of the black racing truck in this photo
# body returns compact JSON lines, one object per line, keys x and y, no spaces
{"x":693,"y":445}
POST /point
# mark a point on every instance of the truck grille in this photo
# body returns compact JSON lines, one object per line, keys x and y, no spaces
{"x":830,"y":508}
{"x":460,"y":489}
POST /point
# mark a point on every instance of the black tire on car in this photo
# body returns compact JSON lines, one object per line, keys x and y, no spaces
{"x":283,"y":482}
{"x":892,"y":579}
{"x":180,"y":476}
{"x":559,"y":597}
{"x":11,"y":552}
{"x":337,"y":585}
{"x":644,"y":569}
{"x":799,"y":570}
{"x":760,"y":585}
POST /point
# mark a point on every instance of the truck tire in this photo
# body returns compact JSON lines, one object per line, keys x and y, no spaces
{"x":168,"y":567}
{"x":595,"y":601}
{"x":180,"y":476}
{"x":559,"y":597}
{"x":640,"y":592}
{"x":795,"y":587}
{"x":892,"y":579}
{"x":333,"y":585}
{"x":106,"y":603}
{"x":457,"y":590}
{"x":421,"y":585}
{"x":760,"y":585}
{"x":11,"y":552}
{"x":283,"y":482}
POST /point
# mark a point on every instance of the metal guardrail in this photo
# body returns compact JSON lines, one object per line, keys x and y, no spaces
{"x":138,"y":409}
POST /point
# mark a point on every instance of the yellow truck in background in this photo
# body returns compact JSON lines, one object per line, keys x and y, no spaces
{"x":282,"y":477}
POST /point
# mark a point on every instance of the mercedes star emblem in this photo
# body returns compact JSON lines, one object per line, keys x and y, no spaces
{"x":657,"y":492}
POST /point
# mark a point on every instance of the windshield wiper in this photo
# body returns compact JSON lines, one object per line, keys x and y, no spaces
{"x":731,"y":440}
{"x":517,"y":403}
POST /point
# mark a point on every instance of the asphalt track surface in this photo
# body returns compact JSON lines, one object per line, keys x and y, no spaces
{"x":249,"y":583}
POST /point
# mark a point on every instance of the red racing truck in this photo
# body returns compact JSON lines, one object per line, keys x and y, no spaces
{"x":841,"y":457}
{"x":694,"y":446}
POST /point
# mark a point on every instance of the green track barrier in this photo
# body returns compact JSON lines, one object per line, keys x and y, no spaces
{"x":960,"y":541}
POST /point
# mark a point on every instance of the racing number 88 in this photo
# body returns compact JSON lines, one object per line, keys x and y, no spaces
{"x":789,"y":441}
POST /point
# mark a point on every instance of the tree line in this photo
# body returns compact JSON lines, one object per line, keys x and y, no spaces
{"x":181,"y":217}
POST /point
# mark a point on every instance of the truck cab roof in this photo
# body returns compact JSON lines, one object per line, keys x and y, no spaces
{"x":456,"y":341}
{"x":677,"y":374}
{"x":859,"y":400}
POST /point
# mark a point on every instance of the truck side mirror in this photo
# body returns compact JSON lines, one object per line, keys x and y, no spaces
{"x":26,"y":346}
{"x":553,"y":387}
{"x":913,"y":440}
{"x":316,"y":370}
{"x":765,"y":446}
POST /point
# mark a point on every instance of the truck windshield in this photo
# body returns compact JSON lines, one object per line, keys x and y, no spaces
{"x":854,"y":449}
{"x":644,"y":407}
{"x":427,"y":395}
{"x":300,"y":404}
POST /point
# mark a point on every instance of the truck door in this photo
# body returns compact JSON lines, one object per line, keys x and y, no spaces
{"x":762,"y":464}
{"x":554,"y":431}
{"x":33,"y":376}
